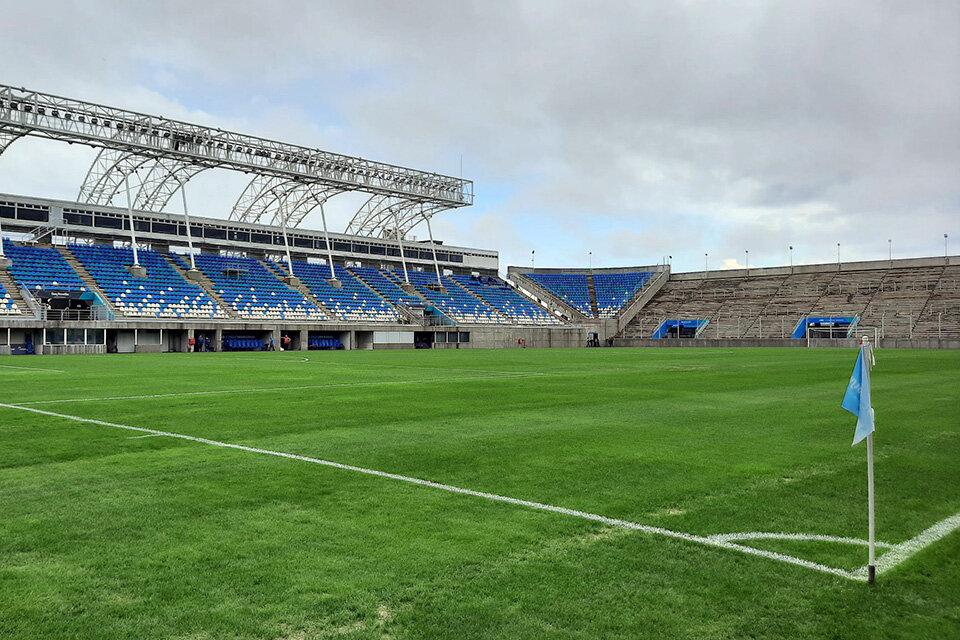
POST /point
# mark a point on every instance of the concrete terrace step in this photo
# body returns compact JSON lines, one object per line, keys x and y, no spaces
{"x":87,"y":278}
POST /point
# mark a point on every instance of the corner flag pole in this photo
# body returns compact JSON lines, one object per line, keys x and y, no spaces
{"x":857,"y":401}
{"x":871,"y":562}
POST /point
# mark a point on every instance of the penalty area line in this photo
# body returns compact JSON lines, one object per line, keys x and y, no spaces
{"x":908,"y":548}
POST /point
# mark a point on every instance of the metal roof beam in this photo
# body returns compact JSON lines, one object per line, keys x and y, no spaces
{"x":45,"y":115}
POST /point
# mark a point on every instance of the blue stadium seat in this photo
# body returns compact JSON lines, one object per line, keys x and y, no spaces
{"x":163,"y":293}
{"x":498,"y":294}
{"x":569,"y":287}
{"x":615,"y":289}
{"x":38,"y":268}
{"x":386,"y":286}
{"x":353,"y":301}
{"x":254,"y":291}
{"x":457,"y":303}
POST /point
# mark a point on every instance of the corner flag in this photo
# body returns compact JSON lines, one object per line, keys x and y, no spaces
{"x":857,"y":401}
{"x":857,"y":398}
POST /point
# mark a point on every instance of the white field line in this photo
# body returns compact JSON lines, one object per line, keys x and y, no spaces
{"x":10,"y":366}
{"x":149,"y":435}
{"x":769,"y":535}
{"x":212,"y":392}
{"x":899,"y":553}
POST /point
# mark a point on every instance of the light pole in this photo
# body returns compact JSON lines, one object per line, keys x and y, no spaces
{"x":890,"y":250}
{"x":838,"y":255}
{"x":746,"y":262}
{"x":791,"y":258}
{"x":590,"y":255}
{"x":944,"y":245}
{"x":533,"y":261}
{"x":706,"y":266}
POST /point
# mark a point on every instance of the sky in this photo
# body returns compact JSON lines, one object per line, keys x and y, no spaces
{"x":603,"y":133}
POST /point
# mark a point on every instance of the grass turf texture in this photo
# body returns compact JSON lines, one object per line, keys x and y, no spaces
{"x":108,"y":535}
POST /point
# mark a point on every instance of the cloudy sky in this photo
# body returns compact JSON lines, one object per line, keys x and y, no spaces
{"x":632,"y":130}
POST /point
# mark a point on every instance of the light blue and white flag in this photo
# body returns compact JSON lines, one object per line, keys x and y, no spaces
{"x":857,"y":398}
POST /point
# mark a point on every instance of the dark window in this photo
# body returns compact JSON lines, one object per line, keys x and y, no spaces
{"x":443,"y":257}
{"x":440,"y":336}
{"x":7,"y":211}
{"x":263,"y":238}
{"x":393,"y":251}
{"x":213,"y":232}
{"x":141,"y":225}
{"x":321,"y":243}
{"x":456,"y":257}
{"x":303,"y":242}
{"x":378,"y":250}
{"x":239,"y":236}
{"x":464,"y":336}
{"x":360,"y":248}
{"x":341,"y":246}
{"x":165,"y":227}
{"x":107,"y":222}
{"x":36,"y":215}
{"x":84,"y":219}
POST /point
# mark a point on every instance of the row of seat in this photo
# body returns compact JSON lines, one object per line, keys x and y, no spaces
{"x":569,"y":287}
{"x":247,"y":285}
{"x":353,"y":300}
{"x":456,"y":303}
{"x":505,"y":299}
{"x":162,"y":293}
{"x":613,"y":290}
{"x":38,"y":268}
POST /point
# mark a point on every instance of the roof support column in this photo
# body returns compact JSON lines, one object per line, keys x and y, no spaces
{"x":333,"y":281}
{"x":136,"y":270}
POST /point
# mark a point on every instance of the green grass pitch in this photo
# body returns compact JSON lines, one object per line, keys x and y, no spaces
{"x":111,"y":533}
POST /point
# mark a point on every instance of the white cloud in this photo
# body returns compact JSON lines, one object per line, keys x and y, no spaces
{"x":586,"y":126}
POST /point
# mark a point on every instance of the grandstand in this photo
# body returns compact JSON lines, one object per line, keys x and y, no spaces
{"x":71,"y":280}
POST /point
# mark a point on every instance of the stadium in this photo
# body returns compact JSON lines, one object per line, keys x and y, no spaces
{"x":80,"y":282}
{"x":248,"y":423}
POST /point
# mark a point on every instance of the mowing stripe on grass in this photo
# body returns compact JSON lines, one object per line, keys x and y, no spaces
{"x":904,"y":550}
{"x":212,"y":392}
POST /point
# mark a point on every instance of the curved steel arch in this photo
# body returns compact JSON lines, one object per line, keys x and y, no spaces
{"x":297,"y":203}
{"x":284,"y":201}
{"x":107,"y":173}
{"x":164,"y":179}
{"x":8,"y":137}
{"x":384,"y":215}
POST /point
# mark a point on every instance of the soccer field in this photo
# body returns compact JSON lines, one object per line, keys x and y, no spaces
{"x":589,"y":493}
